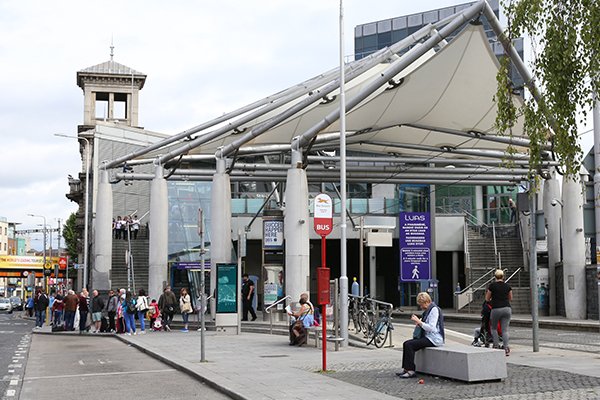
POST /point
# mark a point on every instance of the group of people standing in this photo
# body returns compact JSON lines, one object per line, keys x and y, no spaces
{"x":121,"y":227}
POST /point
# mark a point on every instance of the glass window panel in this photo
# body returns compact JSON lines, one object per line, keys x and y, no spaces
{"x":399,"y":35}
{"x":369,"y":29}
{"x":358,"y":31}
{"x":384,"y":26}
{"x":238,"y":206}
{"x":392,"y":206}
{"x":377,"y":206}
{"x":369,"y":42}
{"x":254,"y":205}
{"x":430,"y":17}
{"x":358,"y":206}
{"x":399,"y":23}
{"x":358,"y":45}
{"x":384,"y":39}
{"x":446,"y":12}
{"x":414,"y":20}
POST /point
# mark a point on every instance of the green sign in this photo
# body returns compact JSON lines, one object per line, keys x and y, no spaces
{"x":227,"y":288}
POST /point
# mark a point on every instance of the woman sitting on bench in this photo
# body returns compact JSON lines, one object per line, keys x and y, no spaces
{"x":301,"y":320}
{"x":429,"y":332}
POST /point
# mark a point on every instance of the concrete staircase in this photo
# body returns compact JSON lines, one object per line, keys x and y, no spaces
{"x":139,"y":250}
{"x":483,"y":258}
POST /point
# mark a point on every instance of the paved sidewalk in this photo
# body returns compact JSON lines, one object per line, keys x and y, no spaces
{"x":262,"y":366}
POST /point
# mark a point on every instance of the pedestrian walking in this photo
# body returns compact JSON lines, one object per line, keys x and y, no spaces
{"x":29,"y":306}
{"x":499,"y":294}
{"x":135,"y":227}
{"x":429,"y":332}
{"x":247,"y":297}
{"x":118,"y":227}
{"x":167,"y":302}
{"x":185,"y":305}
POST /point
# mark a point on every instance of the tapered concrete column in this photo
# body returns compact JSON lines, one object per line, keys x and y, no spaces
{"x":296,"y":225}
{"x":573,"y":249}
{"x":220,"y":224}
{"x":158,"y":226}
{"x":103,"y":235}
{"x":552,"y":212}
{"x":479,"y":205}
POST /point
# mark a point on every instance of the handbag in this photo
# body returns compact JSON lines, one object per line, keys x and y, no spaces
{"x":418,"y":332}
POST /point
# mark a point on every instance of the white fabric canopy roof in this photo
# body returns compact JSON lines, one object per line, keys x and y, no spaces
{"x":452,"y":88}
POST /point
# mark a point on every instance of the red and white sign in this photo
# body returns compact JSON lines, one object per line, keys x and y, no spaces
{"x":62,"y":263}
{"x":323,"y":214}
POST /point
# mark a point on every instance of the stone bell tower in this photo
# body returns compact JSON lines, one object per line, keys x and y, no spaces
{"x":111,"y":93}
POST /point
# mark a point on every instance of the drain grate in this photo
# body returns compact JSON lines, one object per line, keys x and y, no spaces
{"x":274,"y":356}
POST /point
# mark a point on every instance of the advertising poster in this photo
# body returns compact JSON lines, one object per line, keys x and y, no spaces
{"x":273,"y":234}
{"x":273,"y":284}
{"x":415,"y":246}
{"x":227,"y":288}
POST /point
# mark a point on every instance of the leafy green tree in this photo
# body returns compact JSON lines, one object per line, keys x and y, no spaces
{"x":565,"y":66}
{"x":70,"y":235}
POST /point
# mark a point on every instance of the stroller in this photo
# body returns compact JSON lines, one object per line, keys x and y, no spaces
{"x":483,"y":334}
{"x":157,"y":325}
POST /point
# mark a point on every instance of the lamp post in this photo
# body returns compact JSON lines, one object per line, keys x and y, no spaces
{"x":87,"y":200}
{"x":44,"y":218}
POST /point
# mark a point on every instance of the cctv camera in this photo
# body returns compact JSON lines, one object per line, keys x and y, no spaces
{"x":553,"y":202}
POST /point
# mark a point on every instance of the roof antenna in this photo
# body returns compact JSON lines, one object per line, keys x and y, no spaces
{"x":112,"y":48}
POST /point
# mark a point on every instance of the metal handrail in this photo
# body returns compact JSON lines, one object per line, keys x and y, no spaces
{"x":518,"y":270}
{"x":467,"y":214}
{"x":277,"y":302}
{"x":271,"y":314}
{"x":476,"y":280}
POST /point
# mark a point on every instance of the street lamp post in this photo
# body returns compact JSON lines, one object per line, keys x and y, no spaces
{"x":87,"y":200}
{"x":44,"y":230}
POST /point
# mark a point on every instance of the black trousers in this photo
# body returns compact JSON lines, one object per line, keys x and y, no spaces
{"x":111,"y":321}
{"x":408,"y":351}
{"x":247,"y":306}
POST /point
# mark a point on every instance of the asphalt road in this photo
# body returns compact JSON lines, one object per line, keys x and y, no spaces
{"x":561,"y":339}
{"x":15,"y":334}
{"x":85,"y":367}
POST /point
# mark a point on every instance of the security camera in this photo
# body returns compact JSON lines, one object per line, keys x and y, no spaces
{"x":553,"y":202}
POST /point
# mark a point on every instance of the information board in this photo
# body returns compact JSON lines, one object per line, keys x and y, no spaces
{"x":415,"y":246}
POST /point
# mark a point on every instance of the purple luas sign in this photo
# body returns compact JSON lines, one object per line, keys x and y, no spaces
{"x":415,"y":246}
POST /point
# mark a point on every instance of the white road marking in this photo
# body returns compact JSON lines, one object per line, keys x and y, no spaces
{"x":101,"y":362}
{"x":13,"y":382}
{"x":7,"y":331}
{"x":35,"y":378}
{"x":11,"y":393}
{"x":14,"y":365}
{"x":11,"y":371}
{"x":81,"y":362}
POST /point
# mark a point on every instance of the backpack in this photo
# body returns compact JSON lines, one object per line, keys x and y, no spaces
{"x":131,"y":309}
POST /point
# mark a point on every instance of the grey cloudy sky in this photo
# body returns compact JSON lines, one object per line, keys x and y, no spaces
{"x":202,"y":59}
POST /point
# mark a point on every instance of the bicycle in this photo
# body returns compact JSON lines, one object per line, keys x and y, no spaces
{"x":381,"y":329}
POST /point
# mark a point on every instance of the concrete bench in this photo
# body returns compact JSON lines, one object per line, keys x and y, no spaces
{"x":461,"y":362}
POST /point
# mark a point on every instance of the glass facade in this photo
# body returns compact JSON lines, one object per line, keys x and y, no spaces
{"x":373,"y":36}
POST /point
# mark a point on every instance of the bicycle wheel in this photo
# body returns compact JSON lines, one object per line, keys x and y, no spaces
{"x":365,"y":323}
{"x":380,"y":334}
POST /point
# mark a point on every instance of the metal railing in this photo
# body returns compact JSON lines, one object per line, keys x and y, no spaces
{"x":267,"y":310}
{"x":465,"y":296}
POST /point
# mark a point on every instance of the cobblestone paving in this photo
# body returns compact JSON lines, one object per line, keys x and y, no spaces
{"x":522,"y":383}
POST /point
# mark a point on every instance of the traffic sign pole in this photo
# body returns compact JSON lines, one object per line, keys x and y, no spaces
{"x":323,"y":225}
